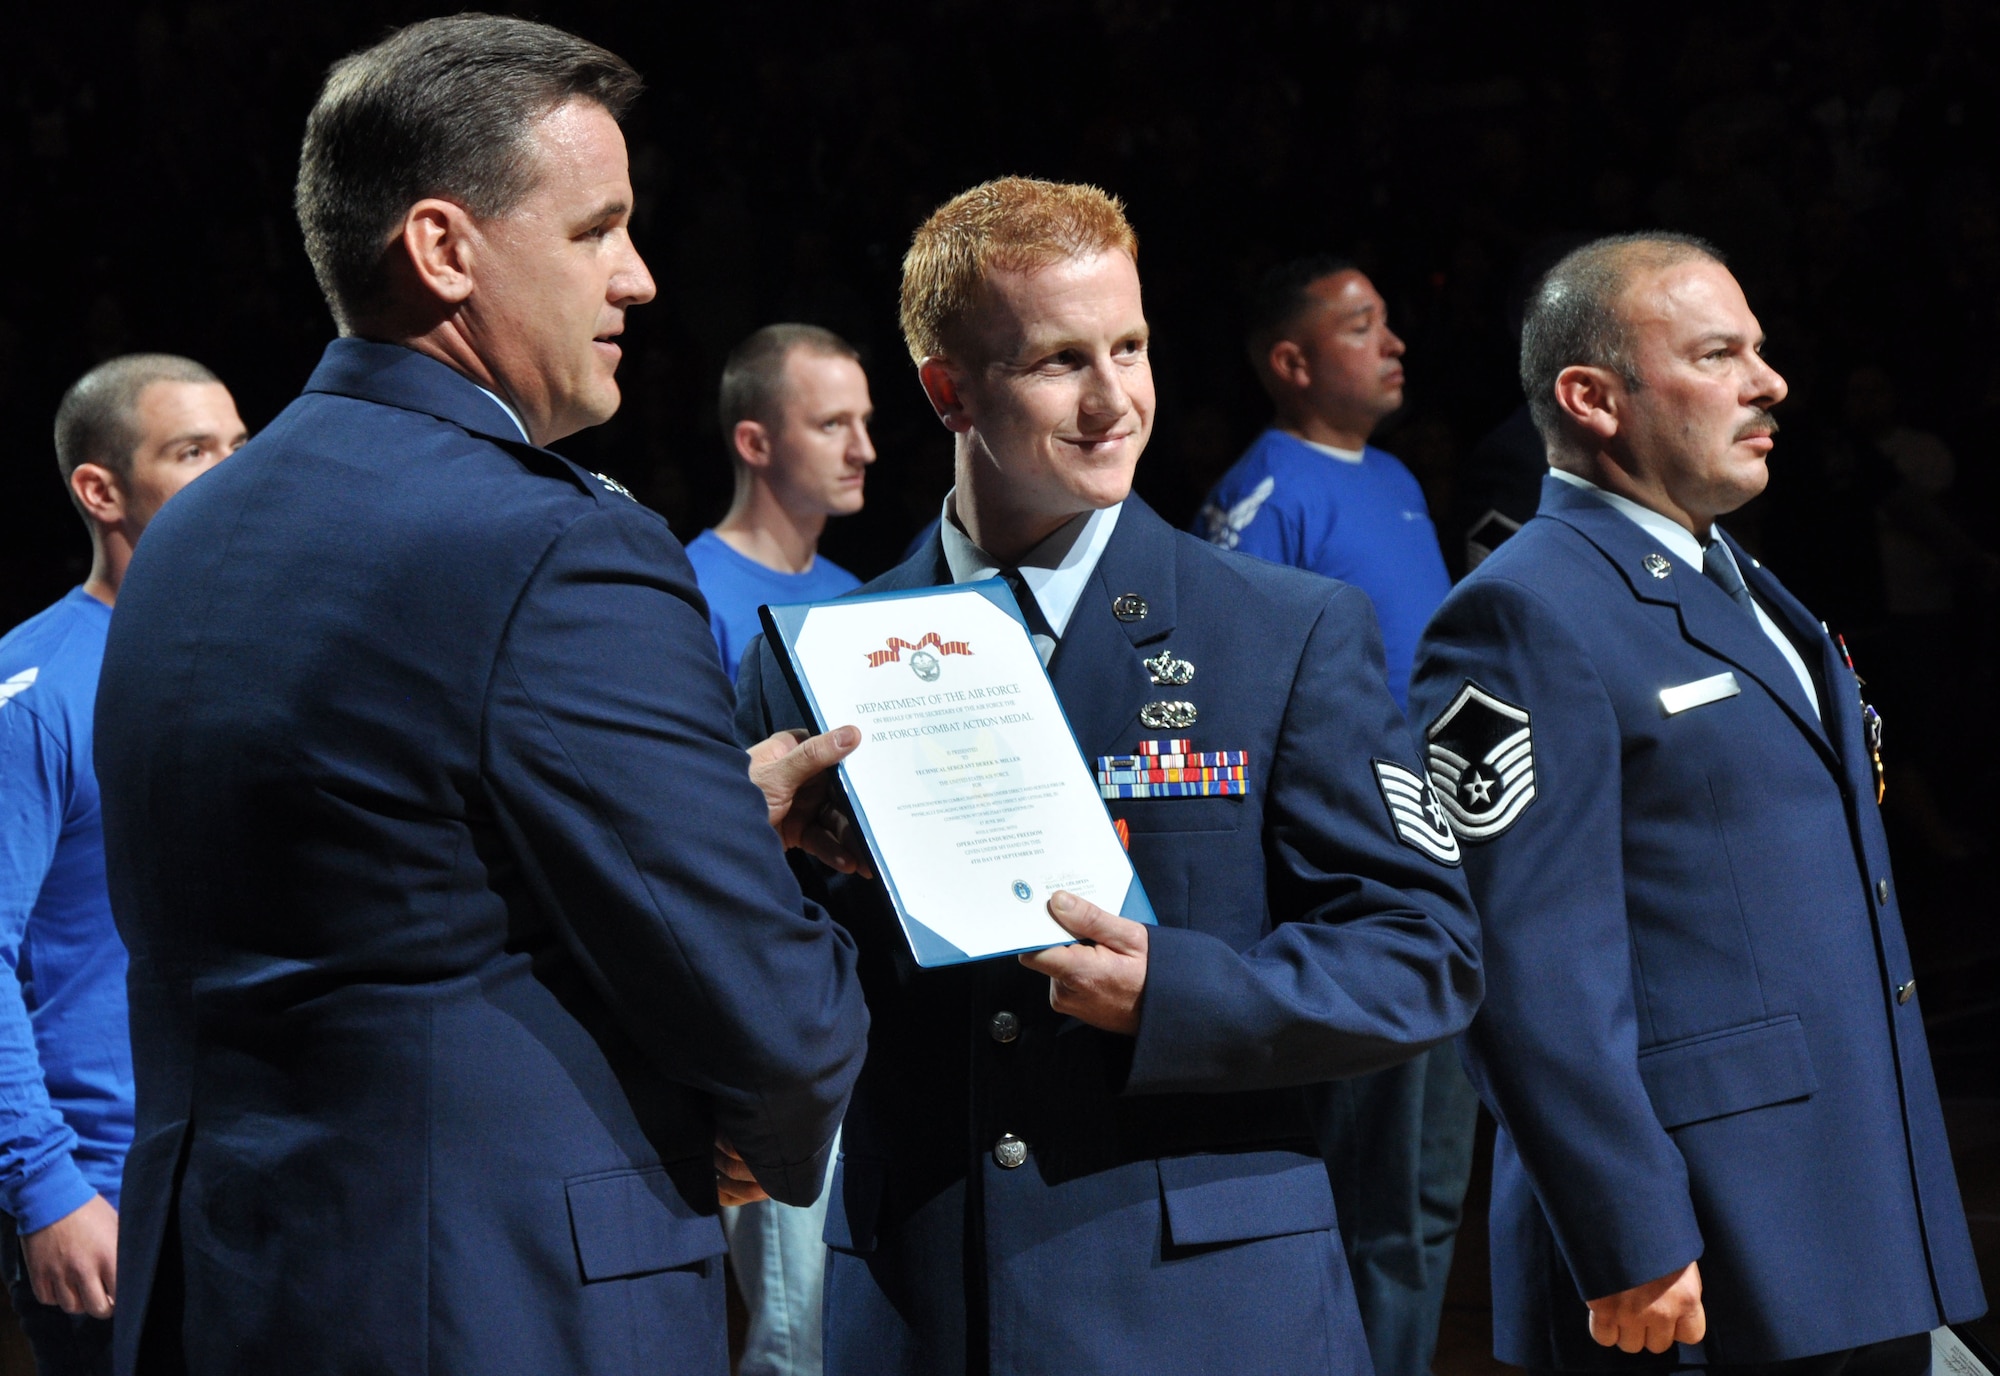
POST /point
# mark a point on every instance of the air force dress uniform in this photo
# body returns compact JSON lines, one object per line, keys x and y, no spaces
{"x":440,"y":989}
{"x":1019,"y":1192}
{"x":1701,"y":1036}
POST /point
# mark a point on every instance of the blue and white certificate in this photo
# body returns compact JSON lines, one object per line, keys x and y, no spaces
{"x":969,"y":787}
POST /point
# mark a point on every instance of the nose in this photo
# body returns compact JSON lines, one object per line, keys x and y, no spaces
{"x":1770,"y":387}
{"x":1392,"y":343}
{"x":861,"y":449}
{"x":1103,"y":397}
{"x":631,"y":284}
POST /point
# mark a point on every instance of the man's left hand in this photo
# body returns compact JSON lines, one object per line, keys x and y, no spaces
{"x":1099,"y":983}
{"x":795,"y":771}
{"x":734,"y":1184}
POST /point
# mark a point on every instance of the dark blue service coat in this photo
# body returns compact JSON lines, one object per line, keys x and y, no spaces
{"x":1700,"y":1037}
{"x":1173,"y":1214}
{"x":457,"y":929}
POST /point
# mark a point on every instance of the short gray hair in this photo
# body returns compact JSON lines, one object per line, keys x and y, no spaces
{"x":1573,"y":317}
{"x":440,"y":108}
{"x":96,"y":422}
{"x":754,"y":375}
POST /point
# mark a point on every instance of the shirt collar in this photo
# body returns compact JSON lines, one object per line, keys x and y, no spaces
{"x":512,"y":414}
{"x":1676,"y":537}
{"x":1054,"y":570}
{"x":1344,"y":455}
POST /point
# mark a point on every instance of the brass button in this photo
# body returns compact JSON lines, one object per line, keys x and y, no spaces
{"x":1010,"y":1151}
{"x":1906,"y":992}
{"x":1004,"y":1026}
{"x":1881,"y":891}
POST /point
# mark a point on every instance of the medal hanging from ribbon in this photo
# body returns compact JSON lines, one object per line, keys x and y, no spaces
{"x":896,"y":644}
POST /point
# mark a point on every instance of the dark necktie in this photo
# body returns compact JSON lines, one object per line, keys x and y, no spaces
{"x":1039,"y":629}
{"x":1722,"y":571}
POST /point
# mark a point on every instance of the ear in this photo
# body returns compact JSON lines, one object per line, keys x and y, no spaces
{"x":1289,"y":365}
{"x":941,"y":385}
{"x":97,"y":491}
{"x":752,"y":443}
{"x":1592,"y":398}
{"x":440,"y":240}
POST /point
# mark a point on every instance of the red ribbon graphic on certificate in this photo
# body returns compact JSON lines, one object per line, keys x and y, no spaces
{"x":894,"y":654}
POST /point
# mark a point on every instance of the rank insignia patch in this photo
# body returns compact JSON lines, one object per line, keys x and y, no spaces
{"x":1416,"y":813}
{"x":1482,"y":762}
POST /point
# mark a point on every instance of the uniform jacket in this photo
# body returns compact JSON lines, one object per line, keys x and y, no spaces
{"x":1173,"y":1215}
{"x":1700,"y":1036}
{"x":440,"y":988}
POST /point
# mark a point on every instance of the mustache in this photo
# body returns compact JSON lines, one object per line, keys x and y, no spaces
{"x":1764,"y":424}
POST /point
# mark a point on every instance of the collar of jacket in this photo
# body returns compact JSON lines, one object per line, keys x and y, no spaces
{"x":393,"y":375}
{"x":1707,"y":616}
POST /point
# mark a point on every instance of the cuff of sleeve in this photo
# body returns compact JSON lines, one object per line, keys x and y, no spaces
{"x":1173,"y":1015}
{"x":50,"y":1196}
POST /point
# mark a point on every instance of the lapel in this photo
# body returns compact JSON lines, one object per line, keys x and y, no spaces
{"x":1840,"y":702}
{"x":1707,"y":615}
{"x":395,"y":376}
{"x":1098,"y":669}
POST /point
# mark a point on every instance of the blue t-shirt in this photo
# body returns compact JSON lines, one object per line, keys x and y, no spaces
{"x":736,"y":586}
{"x":1364,"y":523}
{"x":65,"y":1042}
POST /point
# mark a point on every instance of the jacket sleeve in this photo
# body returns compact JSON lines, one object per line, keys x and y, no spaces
{"x":1555,"y":1048}
{"x":613,"y":771}
{"x":39,"y":1180}
{"x":1373,"y":951}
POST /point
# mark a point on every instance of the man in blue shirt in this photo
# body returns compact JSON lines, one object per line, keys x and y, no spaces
{"x":129,"y":434}
{"x":1313,"y":493}
{"x":794,"y":412}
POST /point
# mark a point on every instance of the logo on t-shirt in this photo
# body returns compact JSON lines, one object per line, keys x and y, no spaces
{"x":1225,"y":528}
{"x":17,"y":685}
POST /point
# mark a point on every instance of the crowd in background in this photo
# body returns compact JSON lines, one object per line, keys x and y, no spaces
{"x":1841,"y":154}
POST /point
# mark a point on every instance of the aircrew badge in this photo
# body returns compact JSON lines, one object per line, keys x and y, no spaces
{"x":1481,"y":756}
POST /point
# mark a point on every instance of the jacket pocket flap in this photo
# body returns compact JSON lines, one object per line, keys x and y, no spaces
{"x":1235,"y":1197}
{"x":854,"y":1201}
{"x":1726,"y":1072}
{"x":629,"y":1223}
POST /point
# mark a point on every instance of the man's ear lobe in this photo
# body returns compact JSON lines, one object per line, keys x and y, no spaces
{"x":947,"y":399}
{"x":1591,"y":397}
{"x":1287,"y":362}
{"x":438,"y":240}
{"x":97,"y":491}
{"x":752,"y":443}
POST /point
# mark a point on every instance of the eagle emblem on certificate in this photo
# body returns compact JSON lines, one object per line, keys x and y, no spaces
{"x":1481,"y":755}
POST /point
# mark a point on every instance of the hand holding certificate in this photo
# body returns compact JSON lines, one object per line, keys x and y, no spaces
{"x":975,"y":802}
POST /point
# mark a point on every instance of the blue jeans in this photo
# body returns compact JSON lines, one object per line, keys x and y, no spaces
{"x":779,"y":1256}
{"x":1398,"y":1145}
{"x":64,"y":1344}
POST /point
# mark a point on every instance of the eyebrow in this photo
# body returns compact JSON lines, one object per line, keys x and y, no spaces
{"x":610,"y":210}
{"x":197,"y":437}
{"x":1730,"y":339}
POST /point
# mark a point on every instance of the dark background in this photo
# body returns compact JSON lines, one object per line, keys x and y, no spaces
{"x":1843,"y":155}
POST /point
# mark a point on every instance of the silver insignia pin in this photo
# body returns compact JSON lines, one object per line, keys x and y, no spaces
{"x":1657,"y":565}
{"x":1169,"y":671}
{"x":1166,"y":716}
{"x":615,"y":486}
{"x":1129,"y":606}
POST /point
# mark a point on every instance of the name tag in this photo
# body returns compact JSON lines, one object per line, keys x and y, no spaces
{"x":1714,"y":688}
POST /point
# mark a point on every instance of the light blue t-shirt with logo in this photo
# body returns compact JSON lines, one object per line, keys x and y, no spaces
{"x":737,"y":585}
{"x":1360,"y":518}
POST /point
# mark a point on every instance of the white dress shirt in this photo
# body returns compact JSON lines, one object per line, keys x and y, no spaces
{"x":1681,"y":542}
{"x":1054,"y":570}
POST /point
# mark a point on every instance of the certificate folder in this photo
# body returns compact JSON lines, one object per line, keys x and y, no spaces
{"x":969,"y":787}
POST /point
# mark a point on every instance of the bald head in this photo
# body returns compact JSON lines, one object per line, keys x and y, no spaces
{"x":1577,"y":317}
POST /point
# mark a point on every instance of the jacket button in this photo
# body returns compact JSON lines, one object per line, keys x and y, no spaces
{"x":1004,"y":1026}
{"x":1905,"y":991}
{"x":1010,"y":1151}
{"x":1881,"y":891}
